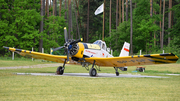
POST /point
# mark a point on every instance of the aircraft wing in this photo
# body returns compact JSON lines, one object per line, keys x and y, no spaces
{"x":38,"y":55}
{"x":134,"y":60}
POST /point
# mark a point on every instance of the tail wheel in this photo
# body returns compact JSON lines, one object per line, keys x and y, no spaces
{"x":60,"y":70}
{"x":92,"y":72}
{"x":141,"y":69}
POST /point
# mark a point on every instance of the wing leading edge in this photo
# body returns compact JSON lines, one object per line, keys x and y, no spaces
{"x":134,"y":60}
{"x":38,"y":55}
{"x":110,"y":62}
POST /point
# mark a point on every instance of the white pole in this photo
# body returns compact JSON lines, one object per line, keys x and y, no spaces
{"x":163,"y":51}
{"x":13,"y":55}
{"x":140,"y":52}
{"x":111,"y":52}
{"x":51,"y":50}
{"x":32,"y":51}
{"x":42,"y":52}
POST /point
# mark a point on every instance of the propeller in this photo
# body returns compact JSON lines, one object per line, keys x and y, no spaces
{"x":68,"y":44}
{"x":58,"y":48}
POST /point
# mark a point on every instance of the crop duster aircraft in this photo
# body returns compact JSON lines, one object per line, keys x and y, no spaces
{"x":97,"y":55}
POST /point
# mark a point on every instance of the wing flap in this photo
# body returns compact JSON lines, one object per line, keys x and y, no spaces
{"x":134,"y":60}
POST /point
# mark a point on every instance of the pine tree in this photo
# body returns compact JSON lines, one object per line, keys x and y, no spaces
{"x":169,"y":20}
{"x":162,"y":37}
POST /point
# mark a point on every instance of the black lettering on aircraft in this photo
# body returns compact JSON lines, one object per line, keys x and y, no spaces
{"x":133,"y":61}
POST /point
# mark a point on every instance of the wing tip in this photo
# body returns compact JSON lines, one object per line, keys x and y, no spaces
{"x":172,"y":54}
{"x":6,"y":47}
{"x":167,"y":54}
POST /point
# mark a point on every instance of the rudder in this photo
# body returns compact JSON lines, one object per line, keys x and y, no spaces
{"x":125,"y":50}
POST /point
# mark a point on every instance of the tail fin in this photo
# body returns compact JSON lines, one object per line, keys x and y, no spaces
{"x":125,"y":50}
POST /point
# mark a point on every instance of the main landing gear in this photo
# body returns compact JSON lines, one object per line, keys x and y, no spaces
{"x":93,"y":71}
{"x":116,"y":69}
{"x":60,"y":69}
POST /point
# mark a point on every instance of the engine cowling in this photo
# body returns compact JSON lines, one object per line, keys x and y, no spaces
{"x":77,"y":50}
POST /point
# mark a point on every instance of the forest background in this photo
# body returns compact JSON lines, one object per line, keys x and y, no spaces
{"x":153,"y":24}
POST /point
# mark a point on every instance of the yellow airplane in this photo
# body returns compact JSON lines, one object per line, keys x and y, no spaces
{"x":96,"y":54}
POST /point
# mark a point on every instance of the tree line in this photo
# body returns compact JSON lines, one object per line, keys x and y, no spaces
{"x":149,"y":25}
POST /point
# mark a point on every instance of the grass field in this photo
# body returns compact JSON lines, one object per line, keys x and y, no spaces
{"x":20,"y":62}
{"x":26,"y":87}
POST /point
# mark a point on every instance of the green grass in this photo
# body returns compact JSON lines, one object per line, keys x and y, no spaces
{"x":20,"y":62}
{"x":15,"y":87}
{"x":50,"y":88}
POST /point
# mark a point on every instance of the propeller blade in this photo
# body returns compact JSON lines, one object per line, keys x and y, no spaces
{"x":58,"y":48}
{"x":65,"y":34}
{"x":67,"y":56}
{"x":76,"y":41}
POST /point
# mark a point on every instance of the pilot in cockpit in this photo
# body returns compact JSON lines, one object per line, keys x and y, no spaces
{"x":103,"y":46}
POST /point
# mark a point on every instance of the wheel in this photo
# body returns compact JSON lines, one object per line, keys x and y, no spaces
{"x":117,"y":73}
{"x":92,"y":72}
{"x":60,"y":70}
{"x":141,"y":69}
{"x":125,"y":69}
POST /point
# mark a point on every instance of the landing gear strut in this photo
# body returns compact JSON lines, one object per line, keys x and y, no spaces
{"x":117,"y":73}
{"x":60,"y":69}
{"x":93,"y":71}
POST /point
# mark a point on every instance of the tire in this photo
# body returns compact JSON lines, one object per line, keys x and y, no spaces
{"x":60,"y":70}
{"x":141,"y":69}
{"x":125,"y":69}
{"x":93,"y":72}
{"x":117,"y":73}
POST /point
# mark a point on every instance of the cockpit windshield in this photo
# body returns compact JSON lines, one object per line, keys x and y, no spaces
{"x":101,"y":44}
{"x":98,"y":43}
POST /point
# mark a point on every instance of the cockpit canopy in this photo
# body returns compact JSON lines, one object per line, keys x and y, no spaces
{"x":101,"y":43}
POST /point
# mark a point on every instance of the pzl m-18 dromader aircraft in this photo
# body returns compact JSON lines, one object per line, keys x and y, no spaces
{"x":97,"y":55}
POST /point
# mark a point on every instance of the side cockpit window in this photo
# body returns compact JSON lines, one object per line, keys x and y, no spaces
{"x":103,"y":46}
